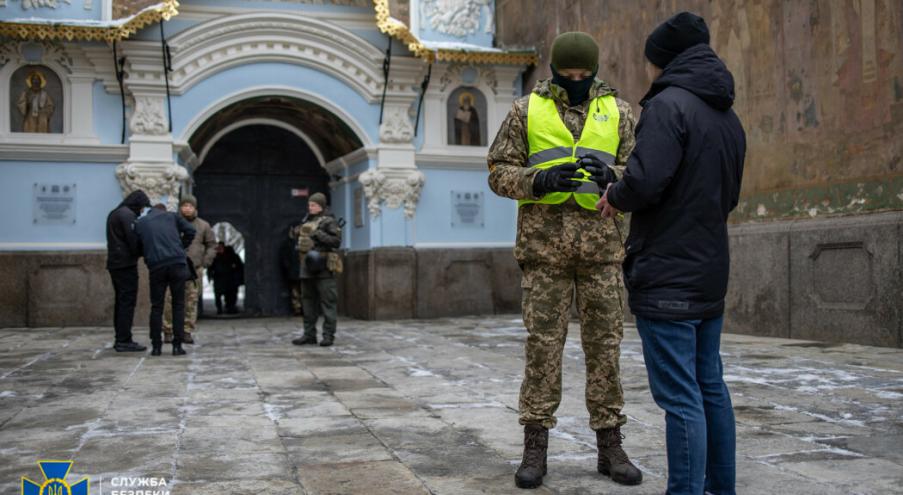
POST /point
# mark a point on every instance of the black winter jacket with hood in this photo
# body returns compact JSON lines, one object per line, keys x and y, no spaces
{"x":681,"y":182}
{"x":122,"y":241}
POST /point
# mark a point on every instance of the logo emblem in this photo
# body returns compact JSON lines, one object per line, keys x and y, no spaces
{"x":601,"y":117}
{"x":54,"y":481}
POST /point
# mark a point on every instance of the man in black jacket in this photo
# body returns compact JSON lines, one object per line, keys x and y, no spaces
{"x":122,"y":263}
{"x":681,"y":182}
{"x":164,"y":238}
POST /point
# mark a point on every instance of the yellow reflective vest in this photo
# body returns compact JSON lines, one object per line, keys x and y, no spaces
{"x":552,"y":144}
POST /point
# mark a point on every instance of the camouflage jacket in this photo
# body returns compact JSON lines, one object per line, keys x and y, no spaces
{"x":321,"y":232}
{"x":203,"y":247}
{"x":564,"y":233}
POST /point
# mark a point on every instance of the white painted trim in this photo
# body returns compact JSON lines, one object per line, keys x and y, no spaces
{"x":357,"y":156}
{"x":262,"y":121}
{"x":287,"y":91}
{"x":453,"y":158}
{"x":347,"y":20}
{"x":37,"y":151}
{"x":223,"y":42}
{"x":52,"y":246}
{"x":462,"y":245}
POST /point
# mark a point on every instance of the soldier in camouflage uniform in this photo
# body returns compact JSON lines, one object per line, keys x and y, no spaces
{"x":319,"y":237}
{"x":563,"y":248}
{"x":202,"y":251}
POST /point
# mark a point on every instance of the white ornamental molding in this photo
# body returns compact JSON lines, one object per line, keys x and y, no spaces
{"x":452,"y":75}
{"x":155,"y":180}
{"x":372,"y":181}
{"x":460,"y":18}
{"x":35,"y":4}
{"x":149,"y":117}
{"x":51,"y":53}
{"x":396,"y":126}
{"x":396,"y":188}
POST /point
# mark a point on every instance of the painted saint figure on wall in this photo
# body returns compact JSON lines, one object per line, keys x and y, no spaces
{"x":467,"y":121}
{"x":35,"y":104}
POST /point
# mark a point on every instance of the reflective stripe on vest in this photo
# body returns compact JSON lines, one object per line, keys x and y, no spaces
{"x":552,"y":144}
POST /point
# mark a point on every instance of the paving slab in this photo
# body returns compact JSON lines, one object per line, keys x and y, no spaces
{"x":418,"y":407}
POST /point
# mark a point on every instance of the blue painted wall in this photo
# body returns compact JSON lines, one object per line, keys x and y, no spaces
{"x":434,"y":215}
{"x":189,"y":105}
{"x":357,"y":238}
{"x":98,"y":193}
{"x":107,"y":115}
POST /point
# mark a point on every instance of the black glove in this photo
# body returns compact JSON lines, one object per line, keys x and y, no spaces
{"x":599,"y":172}
{"x":556,"y":179}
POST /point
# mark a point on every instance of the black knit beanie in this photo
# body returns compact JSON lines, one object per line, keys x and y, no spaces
{"x":675,"y":35}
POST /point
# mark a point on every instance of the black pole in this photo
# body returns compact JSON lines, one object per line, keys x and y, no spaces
{"x":387,"y":62}
{"x":167,"y":68}
{"x":423,"y":86}
{"x":119,"y":64}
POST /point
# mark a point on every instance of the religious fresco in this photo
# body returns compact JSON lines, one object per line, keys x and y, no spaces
{"x":467,"y":117}
{"x":36,"y":97}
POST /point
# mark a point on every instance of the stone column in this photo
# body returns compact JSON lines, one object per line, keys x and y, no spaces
{"x":395,"y":182}
{"x":150,"y":166}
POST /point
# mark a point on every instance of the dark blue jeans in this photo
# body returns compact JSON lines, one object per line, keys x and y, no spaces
{"x":684,"y":367}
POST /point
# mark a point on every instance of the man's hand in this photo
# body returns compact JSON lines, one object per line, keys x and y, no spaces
{"x":608,"y":211}
{"x":599,"y":172}
{"x":556,"y":179}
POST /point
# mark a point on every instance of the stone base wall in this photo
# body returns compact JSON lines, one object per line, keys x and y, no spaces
{"x":55,"y":289}
{"x":835,"y":280}
{"x":394,"y":283}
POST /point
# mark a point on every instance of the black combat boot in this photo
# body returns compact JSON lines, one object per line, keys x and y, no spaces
{"x":177,"y":350}
{"x":613,"y":460}
{"x":533,"y":466}
{"x":327,"y":341}
{"x":157,"y":350}
{"x":306,"y":340}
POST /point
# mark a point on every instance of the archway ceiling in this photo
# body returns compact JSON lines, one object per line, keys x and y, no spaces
{"x":329,"y":133}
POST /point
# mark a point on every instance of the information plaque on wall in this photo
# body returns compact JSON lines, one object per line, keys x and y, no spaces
{"x":54,"y":204}
{"x":466,"y":209}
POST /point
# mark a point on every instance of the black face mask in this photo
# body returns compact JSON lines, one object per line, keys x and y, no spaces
{"x":578,"y":91}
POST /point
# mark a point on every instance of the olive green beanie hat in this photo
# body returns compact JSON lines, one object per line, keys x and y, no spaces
{"x":318,"y":198}
{"x":575,"y":50}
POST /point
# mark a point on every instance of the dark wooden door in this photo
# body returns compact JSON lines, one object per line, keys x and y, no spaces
{"x":257,"y":178}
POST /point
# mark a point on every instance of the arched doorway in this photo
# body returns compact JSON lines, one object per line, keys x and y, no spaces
{"x":260,"y":160}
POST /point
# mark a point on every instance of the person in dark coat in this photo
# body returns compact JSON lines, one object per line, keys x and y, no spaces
{"x":681,"y":182}
{"x":165,"y":237}
{"x":227,"y":273}
{"x":122,"y":263}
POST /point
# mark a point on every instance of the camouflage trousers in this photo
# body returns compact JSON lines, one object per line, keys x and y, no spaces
{"x":548,"y":292}
{"x":192,"y":293}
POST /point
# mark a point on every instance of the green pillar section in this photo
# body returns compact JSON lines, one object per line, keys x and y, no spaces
{"x":835,"y":199}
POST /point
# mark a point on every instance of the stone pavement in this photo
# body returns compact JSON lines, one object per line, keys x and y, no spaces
{"x":414,"y":407}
